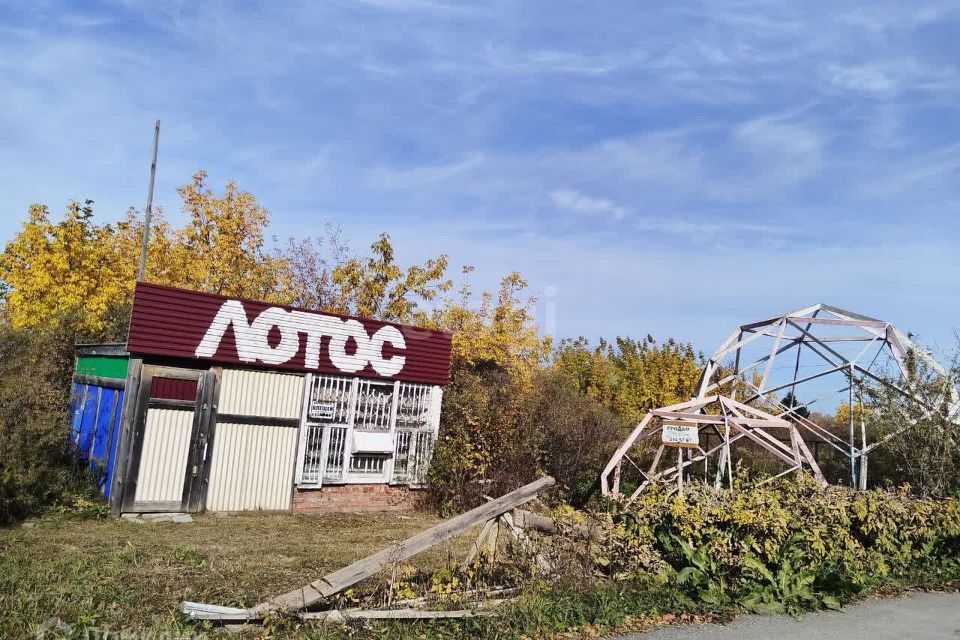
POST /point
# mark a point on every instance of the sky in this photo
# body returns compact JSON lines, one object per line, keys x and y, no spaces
{"x":667,"y":168}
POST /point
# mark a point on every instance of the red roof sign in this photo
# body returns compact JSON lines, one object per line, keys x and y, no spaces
{"x":188,"y":324}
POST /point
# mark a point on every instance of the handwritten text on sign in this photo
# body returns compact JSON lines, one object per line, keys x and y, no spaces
{"x":681,"y":435}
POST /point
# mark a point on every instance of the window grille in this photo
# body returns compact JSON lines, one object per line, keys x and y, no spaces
{"x":330,"y":399}
{"x":338,"y":406}
{"x":367,"y":464}
{"x":413,"y":406}
{"x":374,"y":405}
{"x":335,"y":449}
{"x":412,"y":456}
{"x":312,"y":454}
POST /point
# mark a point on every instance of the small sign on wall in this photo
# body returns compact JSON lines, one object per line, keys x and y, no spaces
{"x":681,"y":434}
{"x":321,"y":410}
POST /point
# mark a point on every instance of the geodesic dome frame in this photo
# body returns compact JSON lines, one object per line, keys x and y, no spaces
{"x":801,"y":352}
{"x":844,"y":344}
{"x":730,"y":421}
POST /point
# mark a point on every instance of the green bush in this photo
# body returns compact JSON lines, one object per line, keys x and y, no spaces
{"x":787,"y":546}
{"x":499,"y":432}
{"x":37,"y":468}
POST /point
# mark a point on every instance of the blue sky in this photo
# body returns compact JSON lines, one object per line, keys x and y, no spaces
{"x":672,"y":168}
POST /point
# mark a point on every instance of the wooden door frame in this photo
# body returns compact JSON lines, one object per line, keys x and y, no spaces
{"x":196,"y":481}
{"x":193,"y":495}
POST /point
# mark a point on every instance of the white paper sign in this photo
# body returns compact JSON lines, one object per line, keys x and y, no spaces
{"x":680,"y":435}
{"x":321,"y":410}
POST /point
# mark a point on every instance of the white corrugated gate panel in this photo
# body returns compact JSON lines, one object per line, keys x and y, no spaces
{"x":163,"y":463}
{"x":252,"y":467}
{"x":260,"y":393}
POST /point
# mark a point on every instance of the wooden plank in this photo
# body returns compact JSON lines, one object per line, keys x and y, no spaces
{"x":99,"y":381}
{"x":341,"y":579}
{"x":773,"y":353}
{"x":877,"y":324}
{"x":760,"y":441}
{"x":543,"y":524}
{"x":477,"y":545}
{"x":817,"y":473}
{"x":125,"y":435}
{"x":201,"y":611}
{"x":391,"y":614}
{"x":618,"y":454}
{"x":775,"y":423}
{"x":700,"y":418}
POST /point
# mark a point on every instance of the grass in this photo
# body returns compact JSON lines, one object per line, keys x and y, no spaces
{"x":119,"y":574}
{"x":115,"y":574}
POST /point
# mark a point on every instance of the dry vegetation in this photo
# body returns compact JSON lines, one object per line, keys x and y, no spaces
{"x":121,"y":574}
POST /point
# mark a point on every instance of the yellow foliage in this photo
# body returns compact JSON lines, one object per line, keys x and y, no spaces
{"x":377,"y":287}
{"x":499,"y":331}
{"x":75,"y":266}
{"x":841,"y":417}
{"x":67,"y":267}
{"x":631,"y":376}
{"x":220,"y":250}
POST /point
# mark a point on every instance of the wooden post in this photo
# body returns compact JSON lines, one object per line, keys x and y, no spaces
{"x":121,"y":462}
{"x":333,"y":583}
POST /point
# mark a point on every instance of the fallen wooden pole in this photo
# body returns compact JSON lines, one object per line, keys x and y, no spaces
{"x":543,"y":524}
{"x":335,"y":615}
{"x":333,"y":583}
{"x":216,"y":613}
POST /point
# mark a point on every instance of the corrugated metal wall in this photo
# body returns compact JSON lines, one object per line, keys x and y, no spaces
{"x":173,"y":322}
{"x":97,"y":412}
{"x":163,"y":462}
{"x":252,"y":467}
{"x":253,"y":462}
{"x":260,"y":393}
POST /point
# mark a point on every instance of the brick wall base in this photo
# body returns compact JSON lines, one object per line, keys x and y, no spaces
{"x":356,"y":498}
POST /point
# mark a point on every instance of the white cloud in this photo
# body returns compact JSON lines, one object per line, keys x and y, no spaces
{"x":862,"y":78}
{"x":768,"y":135}
{"x":893,"y":76}
{"x":573,"y":200}
{"x":426,"y":174}
{"x":705,"y":231}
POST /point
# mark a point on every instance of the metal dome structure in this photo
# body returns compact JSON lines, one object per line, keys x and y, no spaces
{"x":730,"y":421}
{"x":810,"y":351}
{"x":784,"y":366}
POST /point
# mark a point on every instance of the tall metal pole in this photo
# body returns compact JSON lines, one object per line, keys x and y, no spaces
{"x":149,"y":210}
{"x":853,"y":457}
{"x":863,"y":439}
{"x":680,"y":470}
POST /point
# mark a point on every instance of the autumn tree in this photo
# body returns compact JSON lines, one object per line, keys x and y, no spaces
{"x":632,"y":376}
{"x":790,"y":402}
{"x":70,"y":267}
{"x":79,"y":269}
{"x":488,"y":442}
{"x":221,"y":248}
{"x":497,"y":330}
{"x":923,"y":427}
{"x":310,"y":262}
{"x":377,"y":287}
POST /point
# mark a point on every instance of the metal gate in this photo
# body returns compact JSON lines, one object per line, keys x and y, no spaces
{"x":172,"y":430}
{"x":256,"y":441}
